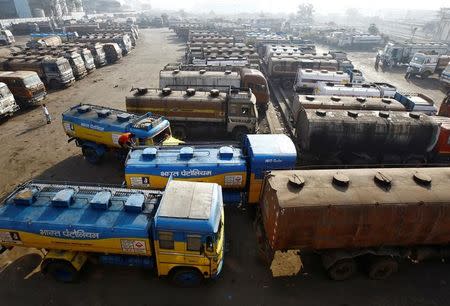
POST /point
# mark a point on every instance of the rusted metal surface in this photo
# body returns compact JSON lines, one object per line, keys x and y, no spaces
{"x":369,"y":132}
{"x":301,"y":102}
{"x":356,"y":208}
{"x":179,"y":103}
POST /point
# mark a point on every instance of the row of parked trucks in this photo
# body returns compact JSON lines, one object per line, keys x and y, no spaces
{"x":179,"y":231}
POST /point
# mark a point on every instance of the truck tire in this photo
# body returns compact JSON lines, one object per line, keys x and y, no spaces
{"x":239,"y":133}
{"x":62,"y":271}
{"x":186,"y":277}
{"x":425,"y":75}
{"x":91,"y":155}
{"x":381,"y":267}
{"x":342,"y":269}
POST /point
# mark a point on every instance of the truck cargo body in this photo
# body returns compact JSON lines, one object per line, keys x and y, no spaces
{"x":365,"y":137}
{"x":207,"y":80}
{"x":417,"y":103}
{"x":349,"y":213}
{"x":239,"y":171}
{"x":204,"y":113}
{"x":54,"y":71}
{"x":355,"y":90}
{"x":144,"y":228}
{"x":26,"y":86}
{"x":322,"y":102}
{"x":281,"y":67}
{"x":307,"y":80}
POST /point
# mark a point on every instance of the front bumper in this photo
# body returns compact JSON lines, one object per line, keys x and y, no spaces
{"x":9,"y":111}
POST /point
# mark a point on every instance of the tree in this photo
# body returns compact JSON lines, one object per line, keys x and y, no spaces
{"x":305,"y":12}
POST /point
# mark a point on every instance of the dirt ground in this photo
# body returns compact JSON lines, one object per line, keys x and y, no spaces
{"x":30,"y":148}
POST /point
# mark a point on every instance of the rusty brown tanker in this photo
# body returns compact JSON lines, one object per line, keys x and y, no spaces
{"x":372,"y":216}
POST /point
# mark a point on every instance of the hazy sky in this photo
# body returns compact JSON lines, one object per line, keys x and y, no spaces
{"x":290,"y":5}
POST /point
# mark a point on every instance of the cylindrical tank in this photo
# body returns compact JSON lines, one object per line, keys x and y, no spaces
{"x":302,"y":102}
{"x":369,"y":132}
{"x":179,"y":105}
{"x":356,"y":208}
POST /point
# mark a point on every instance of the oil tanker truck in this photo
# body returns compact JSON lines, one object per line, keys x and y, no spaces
{"x":55,"y":72}
{"x":371,"y":137}
{"x":366,"y":218}
{"x":178,"y":232}
{"x":239,"y":170}
{"x":193,"y":112}
{"x":97,"y":130}
{"x":223,"y":80}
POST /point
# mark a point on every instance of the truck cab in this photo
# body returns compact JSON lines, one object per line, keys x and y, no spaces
{"x":189,"y":232}
{"x":26,"y":86}
{"x":58,"y":72}
{"x":425,"y":65}
{"x":113,"y":52}
{"x":242,"y":113}
{"x":88,"y":59}
{"x":77,"y":64}
{"x":8,"y":105}
{"x":391,"y":55}
{"x":255,"y":80}
{"x":6,"y":37}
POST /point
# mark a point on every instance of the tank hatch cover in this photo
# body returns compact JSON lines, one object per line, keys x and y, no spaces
{"x":26,"y":196}
{"x":101,"y":200}
{"x":135,"y":203}
{"x":63,"y":198}
{"x":340,"y":179}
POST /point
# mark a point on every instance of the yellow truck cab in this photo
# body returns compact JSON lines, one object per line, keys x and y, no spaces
{"x":26,"y":86}
{"x":178,"y":232}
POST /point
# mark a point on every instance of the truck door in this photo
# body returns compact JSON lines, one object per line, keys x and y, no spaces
{"x":444,"y":110}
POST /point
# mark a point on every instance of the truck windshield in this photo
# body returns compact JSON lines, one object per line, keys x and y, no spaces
{"x":163,"y":135}
{"x":4,"y":92}
{"x":32,"y":80}
{"x":78,"y":60}
{"x":418,"y":59}
{"x":64,"y":67}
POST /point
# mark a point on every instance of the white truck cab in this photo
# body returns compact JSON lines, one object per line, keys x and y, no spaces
{"x":8,"y":105}
{"x":425,"y":65}
{"x":6,"y":37}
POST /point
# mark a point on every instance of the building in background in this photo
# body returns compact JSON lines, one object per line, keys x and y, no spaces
{"x":14,"y":9}
{"x":443,"y":27}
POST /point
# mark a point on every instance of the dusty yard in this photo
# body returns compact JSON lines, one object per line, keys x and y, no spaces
{"x":30,"y":148}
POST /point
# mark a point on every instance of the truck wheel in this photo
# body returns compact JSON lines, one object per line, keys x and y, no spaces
{"x":91,"y":155}
{"x":239,"y":133}
{"x":62,"y":271}
{"x":186,"y":277}
{"x":342,"y":269}
{"x":382,"y":267}
{"x":425,"y":75}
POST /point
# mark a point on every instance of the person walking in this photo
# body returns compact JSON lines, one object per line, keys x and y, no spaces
{"x":47,"y":114}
